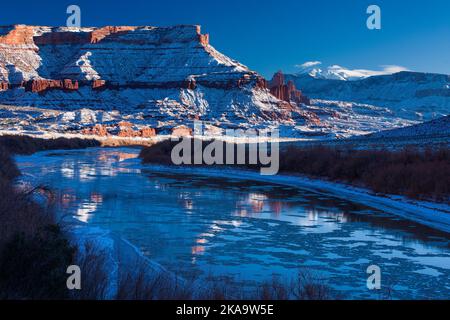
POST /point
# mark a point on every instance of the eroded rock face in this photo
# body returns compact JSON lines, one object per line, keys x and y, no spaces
{"x":169,"y":74}
{"x":122,"y":129}
{"x":101,"y":33}
{"x":17,"y":35}
{"x":286,"y":92}
{"x":41,"y":85}
{"x":141,"y":133}
{"x":97,"y":130}
{"x":98,"y":84}
{"x":277,"y":80}
{"x":62,"y":38}
{"x":147,"y":132}
{"x":128,"y":133}
{"x":204,"y":39}
{"x":182,"y":131}
{"x":125,"y":124}
{"x":149,"y":57}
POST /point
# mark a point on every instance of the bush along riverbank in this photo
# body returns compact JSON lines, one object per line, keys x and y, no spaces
{"x":420,"y":174}
{"x":36,"y":251}
{"x":26,"y":145}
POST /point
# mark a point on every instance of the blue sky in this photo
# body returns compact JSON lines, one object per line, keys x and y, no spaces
{"x":268,"y":35}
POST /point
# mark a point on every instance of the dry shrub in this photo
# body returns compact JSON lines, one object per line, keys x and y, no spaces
{"x":34,"y":252}
{"x":419,"y":174}
{"x":34,"y":267}
{"x":20,"y":214}
{"x":30,"y":145}
{"x":309,"y":287}
{"x":94,"y":273}
{"x":305,"y":286}
{"x":141,"y":283}
{"x":416,"y":173}
{"x":275,"y":289}
{"x":8,"y":168}
{"x":160,"y":153}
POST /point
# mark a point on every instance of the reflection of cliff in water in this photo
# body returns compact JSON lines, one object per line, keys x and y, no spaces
{"x":243,"y":230}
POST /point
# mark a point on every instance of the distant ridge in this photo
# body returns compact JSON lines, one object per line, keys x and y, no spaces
{"x":412,"y":95}
{"x":437,"y":127}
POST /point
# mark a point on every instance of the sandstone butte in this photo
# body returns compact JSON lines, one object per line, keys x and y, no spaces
{"x":25,"y":35}
{"x":125,"y":131}
{"x":182,"y":131}
{"x":33,"y":39}
{"x":286,"y":92}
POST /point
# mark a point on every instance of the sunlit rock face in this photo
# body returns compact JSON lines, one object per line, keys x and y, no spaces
{"x":286,"y":90}
{"x":160,"y":77}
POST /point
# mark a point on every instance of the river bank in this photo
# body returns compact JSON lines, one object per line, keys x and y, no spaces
{"x":112,"y":267}
{"x":231,"y":226}
{"x":431,"y":214}
{"x":83,"y":167}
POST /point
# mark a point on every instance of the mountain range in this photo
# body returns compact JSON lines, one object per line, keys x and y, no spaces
{"x":411,"y":95}
{"x":161,"y":77}
{"x":336,"y":72}
{"x":155,"y":79}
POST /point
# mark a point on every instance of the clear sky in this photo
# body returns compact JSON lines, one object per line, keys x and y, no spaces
{"x":268,"y":35}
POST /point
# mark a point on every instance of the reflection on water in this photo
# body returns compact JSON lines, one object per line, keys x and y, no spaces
{"x":244,"y":230}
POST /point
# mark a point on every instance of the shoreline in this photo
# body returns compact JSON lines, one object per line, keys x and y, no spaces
{"x":116,"y":141}
{"x":428,"y":213}
{"x":431,"y":214}
{"x":124,"y":256}
{"x":121,"y":256}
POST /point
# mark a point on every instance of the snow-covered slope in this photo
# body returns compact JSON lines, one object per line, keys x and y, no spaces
{"x":339,"y":119}
{"x":158,"y":76}
{"x":437,"y":127}
{"x":72,"y":79}
{"x":336,"y":72}
{"x":410,"y":95}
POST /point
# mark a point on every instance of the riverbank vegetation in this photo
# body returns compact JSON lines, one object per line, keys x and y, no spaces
{"x":34,"y":254}
{"x":303,"y":286}
{"x":35,"y":251}
{"x":28,"y":145}
{"x":416,"y":173}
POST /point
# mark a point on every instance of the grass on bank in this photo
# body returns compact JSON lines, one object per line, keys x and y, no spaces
{"x":303,"y":286}
{"x":28,"y":145}
{"x":416,"y":173}
{"x":35,"y":253}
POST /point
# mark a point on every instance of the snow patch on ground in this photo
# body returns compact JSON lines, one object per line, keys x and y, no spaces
{"x":121,"y":257}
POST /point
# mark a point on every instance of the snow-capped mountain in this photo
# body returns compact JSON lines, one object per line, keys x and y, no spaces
{"x":137,"y":79}
{"x":411,"y":95}
{"x":336,"y":72}
{"x":156,"y":76}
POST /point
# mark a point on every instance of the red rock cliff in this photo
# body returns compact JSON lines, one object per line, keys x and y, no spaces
{"x":4,"y":85}
{"x":41,"y":85}
{"x":101,"y":33}
{"x":286,"y":92}
{"x":18,"y":35}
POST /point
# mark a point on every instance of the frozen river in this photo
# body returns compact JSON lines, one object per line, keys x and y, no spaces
{"x":244,"y":231}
